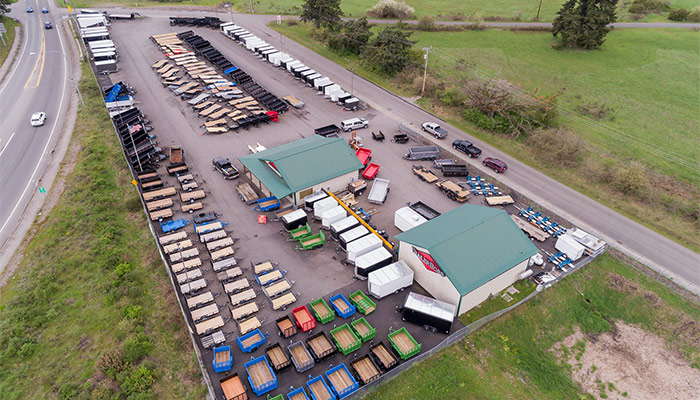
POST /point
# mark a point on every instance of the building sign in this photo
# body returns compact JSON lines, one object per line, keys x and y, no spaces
{"x":428,"y":261}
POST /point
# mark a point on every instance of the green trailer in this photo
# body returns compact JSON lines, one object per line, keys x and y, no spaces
{"x":322,"y":311}
{"x":363,"y":329}
{"x":363,"y":303}
{"x":346,"y":339}
{"x":404,"y":343}
{"x":298,"y":233}
{"x":311,"y":242}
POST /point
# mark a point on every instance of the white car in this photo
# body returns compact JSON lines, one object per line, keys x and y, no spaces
{"x":354,"y":123}
{"x":38,"y":118}
{"x":434,"y":129}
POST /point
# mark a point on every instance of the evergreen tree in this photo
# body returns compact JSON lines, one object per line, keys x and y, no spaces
{"x":390,"y":51}
{"x":324,"y":13}
{"x":583,"y":24}
{"x":354,"y":38}
{"x":5,"y":6}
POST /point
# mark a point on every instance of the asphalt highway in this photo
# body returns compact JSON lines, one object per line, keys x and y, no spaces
{"x":37,"y":81}
{"x":635,"y":240}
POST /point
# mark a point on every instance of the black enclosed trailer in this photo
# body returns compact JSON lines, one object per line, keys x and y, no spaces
{"x":313,"y":198}
{"x":343,"y":226}
{"x":432,"y":314}
{"x":294,"y":219}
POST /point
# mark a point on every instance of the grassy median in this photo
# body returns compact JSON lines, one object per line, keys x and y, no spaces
{"x":512,"y":357}
{"x":9,"y":37}
{"x":90,"y":312}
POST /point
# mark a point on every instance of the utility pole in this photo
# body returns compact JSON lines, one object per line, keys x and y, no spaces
{"x":538,"y":11}
{"x":252,"y":10}
{"x":425,"y":68}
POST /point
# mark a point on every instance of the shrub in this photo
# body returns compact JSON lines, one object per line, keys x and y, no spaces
{"x":694,"y":15}
{"x":136,"y":347}
{"x":426,"y":23}
{"x":133,"y":312}
{"x":139,"y":381}
{"x":649,"y":6}
{"x":292,"y":22}
{"x":453,"y":97}
{"x":631,"y":179}
{"x":679,"y":15}
{"x":483,"y":121}
{"x":557,"y":147}
{"x":392,"y":9}
{"x":111,"y":363}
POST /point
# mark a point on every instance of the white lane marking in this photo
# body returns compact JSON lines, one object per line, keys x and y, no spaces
{"x":21,"y":55}
{"x":53,"y":130}
{"x":8,"y":143}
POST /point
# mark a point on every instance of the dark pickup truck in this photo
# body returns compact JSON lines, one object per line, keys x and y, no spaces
{"x":327,"y":130}
{"x":455,"y":170}
{"x":224,"y":166}
{"x":467,"y":148}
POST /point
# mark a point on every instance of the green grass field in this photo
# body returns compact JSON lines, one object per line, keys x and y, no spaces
{"x":447,"y":9}
{"x":10,"y":25}
{"x":510,"y":357}
{"x":91,"y":283}
{"x":645,"y":77}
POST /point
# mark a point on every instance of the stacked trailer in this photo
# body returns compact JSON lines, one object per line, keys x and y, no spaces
{"x":342,"y":382}
{"x":260,"y":375}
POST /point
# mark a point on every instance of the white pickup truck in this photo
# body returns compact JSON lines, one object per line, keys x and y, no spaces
{"x":434,"y":129}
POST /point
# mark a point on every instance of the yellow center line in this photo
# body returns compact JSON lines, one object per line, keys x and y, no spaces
{"x":39,"y":64}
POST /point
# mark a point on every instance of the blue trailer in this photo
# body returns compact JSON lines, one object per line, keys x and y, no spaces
{"x":342,"y":381}
{"x":223,"y":360}
{"x":342,"y":306}
{"x":251,"y":340}
{"x":297,"y":394}
{"x":173,"y":225}
{"x":268,"y":204}
{"x":318,"y":388}
{"x":260,"y":376}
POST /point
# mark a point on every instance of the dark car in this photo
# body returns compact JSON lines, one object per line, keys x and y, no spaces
{"x":44,"y":10}
{"x":48,"y":25}
{"x":495,"y":164}
{"x":467,"y":148}
{"x":224,"y":166}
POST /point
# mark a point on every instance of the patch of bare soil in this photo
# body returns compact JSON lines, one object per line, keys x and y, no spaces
{"x":628,"y":363}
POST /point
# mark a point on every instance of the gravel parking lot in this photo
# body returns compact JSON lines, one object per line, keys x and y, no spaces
{"x":316,"y":273}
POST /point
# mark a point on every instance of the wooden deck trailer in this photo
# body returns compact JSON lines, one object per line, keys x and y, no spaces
{"x":229,"y":274}
{"x":321,"y":347}
{"x":365,"y":369}
{"x":384,"y":358}
{"x":233,"y":388}
{"x":342,"y":382}
{"x":196,"y":301}
{"x":300,"y":357}
{"x":172,"y":237}
{"x":244,"y":311}
{"x":187,"y":264}
{"x":285,"y":327}
{"x":157,"y":194}
{"x":278,"y":357}
{"x":209,"y":325}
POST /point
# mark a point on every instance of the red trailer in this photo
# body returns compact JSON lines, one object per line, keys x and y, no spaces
{"x":303,"y":317}
{"x":371,"y":171}
{"x":364,"y":154}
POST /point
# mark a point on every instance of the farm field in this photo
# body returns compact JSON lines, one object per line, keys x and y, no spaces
{"x":520,"y":354}
{"x":649,"y":119}
{"x":90,"y":311}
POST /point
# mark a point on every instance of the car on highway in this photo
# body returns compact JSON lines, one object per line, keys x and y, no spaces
{"x":354,"y":123}
{"x":434,"y":129}
{"x":30,"y":10}
{"x":48,"y":25}
{"x":495,"y":164}
{"x":38,"y":118}
{"x":467,"y":148}
{"x":44,"y":10}
{"x":224,"y":166}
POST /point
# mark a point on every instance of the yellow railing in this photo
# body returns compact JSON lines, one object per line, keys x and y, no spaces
{"x":362,"y":221}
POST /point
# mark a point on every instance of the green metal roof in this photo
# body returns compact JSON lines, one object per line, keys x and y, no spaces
{"x":302,"y":164}
{"x":472,"y":244}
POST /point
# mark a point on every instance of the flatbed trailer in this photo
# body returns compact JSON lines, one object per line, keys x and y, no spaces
{"x":300,"y":357}
{"x":190,"y":197}
{"x":453,"y":190}
{"x":499,"y":200}
{"x":424,"y":174}
{"x":226,"y":263}
{"x":345,"y":339}
{"x":233,"y":388}
{"x":279,"y":360}
{"x":383,"y":356}
{"x":268,"y":204}
{"x":262,"y":267}
{"x":278,"y":288}
{"x":159,"y":193}
{"x":204,"y":312}
{"x":342,"y":382}
{"x":209,"y":325}
{"x":319,"y":389}
{"x":244,"y":311}
{"x":324,"y":314}
{"x":174,"y":237}
{"x":160,"y":215}
{"x":321,"y":347}
{"x":286,"y":327}
{"x":365,"y":369}
{"x":529,"y":229}
{"x":404,"y":344}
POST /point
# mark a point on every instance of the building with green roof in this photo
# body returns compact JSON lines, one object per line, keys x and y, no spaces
{"x":303,"y":167}
{"x":465,"y":255}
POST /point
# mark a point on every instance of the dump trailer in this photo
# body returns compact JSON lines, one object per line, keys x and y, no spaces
{"x":422,"y":153}
{"x":390,"y":279}
{"x":432,"y":314}
{"x":455,"y":170}
{"x":424,"y":210}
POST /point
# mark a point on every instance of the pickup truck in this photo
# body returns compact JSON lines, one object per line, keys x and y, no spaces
{"x":224,"y":166}
{"x":434,"y":129}
{"x":467,"y":148}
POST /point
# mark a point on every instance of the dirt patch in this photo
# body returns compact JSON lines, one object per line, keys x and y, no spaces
{"x":628,"y":363}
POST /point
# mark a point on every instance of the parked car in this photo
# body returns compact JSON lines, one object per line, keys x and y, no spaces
{"x":38,"y":118}
{"x":495,"y":164}
{"x":224,"y":166}
{"x":30,"y":10}
{"x":434,"y":129}
{"x":354,"y":123}
{"x":48,"y":25}
{"x":467,"y":148}
{"x":44,"y":10}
